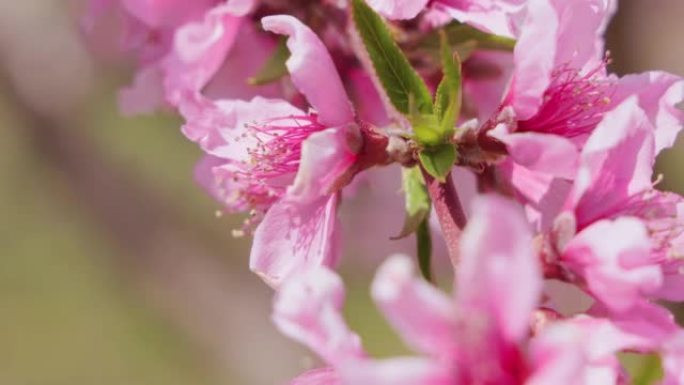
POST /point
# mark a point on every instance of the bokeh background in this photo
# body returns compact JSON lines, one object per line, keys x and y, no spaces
{"x":114,"y":268}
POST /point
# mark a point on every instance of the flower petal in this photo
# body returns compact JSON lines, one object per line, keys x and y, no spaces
{"x":321,"y":376}
{"x":547,"y":153}
{"x":145,"y":94}
{"x":168,"y":13}
{"x":491,"y":16}
{"x":500,"y":276}
{"x":311,"y":66}
{"x":308,"y":309}
{"x":424,"y":317}
{"x":658,"y":93}
{"x":616,"y":163}
{"x":295,"y":236}
{"x":614,"y":257}
{"x":579,"y":351}
{"x":199,"y":49}
{"x":218,"y":127}
{"x":534,"y":56}
{"x":327,"y":156}
{"x":398,"y":9}
{"x":397,"y":371}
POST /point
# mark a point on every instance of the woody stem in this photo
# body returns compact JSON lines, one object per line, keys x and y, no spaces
{"x":449,"y":211}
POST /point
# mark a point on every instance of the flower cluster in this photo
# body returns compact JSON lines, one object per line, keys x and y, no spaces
{"x":292,"y":101}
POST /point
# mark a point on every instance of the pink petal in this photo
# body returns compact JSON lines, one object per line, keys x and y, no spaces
{"x":499,"y":276}
{"x":293,"y":237}
{"x":424,"y":317}
{"x":542,"y":193}
{"x":367,"y":99}
{"x":615,"y":259}
{"x":658,"y":93}
{"x":579,"y":351}
{"x":251,"y":49}
{"x":673,"y":282}
{"x":491,"y":16}
{"x":308,"y":309}
{"x":398,"y":9}
{"x":556,"y":34}
{"x":322,"y":376}
{"x":166,"y":13}
{"x":581,"y":29}
{"x":326,"y":157}
{"x":218,"y":127}
{"x":310,"y":66}
{"x":673,"y":361}
{"x":649,"y":325}
{"x":534,"y":56}
{"x":204,"y":175}
{"x":199,"y":49}
{"x":397,"y":371}
{"x":145,"y":94}
{"x":546,"y":153}
{"x":616,"y":163}
{"x":486,"y":78}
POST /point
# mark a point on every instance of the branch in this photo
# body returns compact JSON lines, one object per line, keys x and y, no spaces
{"x":449,"y":211}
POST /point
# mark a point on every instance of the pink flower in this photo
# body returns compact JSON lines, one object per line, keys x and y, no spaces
{"x":398,"y":9}
{"x":197,"y":51}
{"x":560,"y":92}
{"x":559,"y":89}
{"x":284,"y":164}
{"x":308,"y":309}
{"x":497,"y":17}
{"x":618,"y":233}
{"x":477,"y":339}
{"x":484,"y":335}
{"x":491,"y":16}
{"x":179,"y":45}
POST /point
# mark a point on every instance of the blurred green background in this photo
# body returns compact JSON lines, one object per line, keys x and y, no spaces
{"x":114,"y":268}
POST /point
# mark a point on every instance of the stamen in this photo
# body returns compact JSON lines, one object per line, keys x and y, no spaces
{"x":272,"y":162}
{"x":573,"y":104}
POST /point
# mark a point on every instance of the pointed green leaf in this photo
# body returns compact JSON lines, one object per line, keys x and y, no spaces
{"x":426,"y":129}
{"x":448,"y":97}
{"x":460,"y":33}
{"x":274,"y":68}
{"x":399,"y":80}
{"x":424,"y":245}
{"x":438,"y":160}
{"x":417,"y":201}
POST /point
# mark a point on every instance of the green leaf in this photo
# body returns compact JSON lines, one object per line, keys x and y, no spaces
{"x":426,"y":128}
{"x":438,"y":160}
{"x":448,"y":97}
{"x":399,"y":80}
{"x":424,"y":244}
{"x":459,"y":34}
{"x":274,"y":68}
{"x":417,"y":201}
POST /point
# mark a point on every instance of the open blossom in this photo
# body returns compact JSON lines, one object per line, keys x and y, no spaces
{"x":559,"y":92}
{"x":179,"y":45}
{"x":283,"y":163}
{"x":616,"y":231}
{"x":485,"y":335}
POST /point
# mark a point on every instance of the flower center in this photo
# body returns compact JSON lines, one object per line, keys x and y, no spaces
{"x":573,"y":104}
{"x":272,"y":161}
